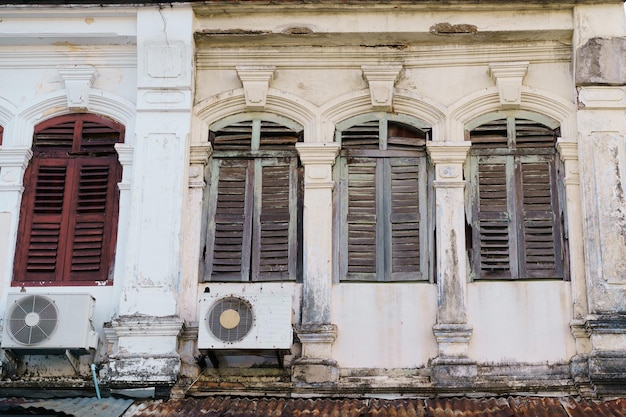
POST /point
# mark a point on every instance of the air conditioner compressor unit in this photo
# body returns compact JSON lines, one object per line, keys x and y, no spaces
{"x":258,"y":319}
{"x":44,"y":323}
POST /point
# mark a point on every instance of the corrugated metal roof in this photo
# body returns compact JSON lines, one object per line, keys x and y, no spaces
{"x":79,"y":407}
{"x":327,"y":407}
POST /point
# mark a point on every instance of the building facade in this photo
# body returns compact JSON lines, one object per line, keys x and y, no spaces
{"x":313,"y":198}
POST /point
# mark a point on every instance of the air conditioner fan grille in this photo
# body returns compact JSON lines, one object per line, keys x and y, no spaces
{"x":33,"y":319}
{"x":230,"y":319}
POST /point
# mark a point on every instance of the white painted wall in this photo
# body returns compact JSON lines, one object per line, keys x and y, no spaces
{"x":384,"y":325}
{"x":523,"y":322}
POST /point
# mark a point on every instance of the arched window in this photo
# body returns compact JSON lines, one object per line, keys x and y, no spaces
{"x":68,"y":217}
{"x":254,"y":203}
{"x":381,"y":199}
{"x":515,"y":206}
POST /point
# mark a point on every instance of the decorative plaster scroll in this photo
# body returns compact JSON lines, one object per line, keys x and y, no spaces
{"x":255,"y":82}
{"x":509,"y":76}
{"x":78,"y":81}
{"x":381,"y":79}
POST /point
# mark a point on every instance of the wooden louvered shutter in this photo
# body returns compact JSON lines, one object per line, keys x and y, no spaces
{"x":361,"y":203}
{"x":407,"y":216}
{"x":494,"y":234}
{"x":541,"y":250}
{"x":382,"y":202}
{"x":230,"y":213}
{"x":69,"y":212}
{"x":40,"y":234}
{"x":515,"y":202}
{"x":94,"y":222}
{"x":275,"y":220}
{"x":68,"y":230}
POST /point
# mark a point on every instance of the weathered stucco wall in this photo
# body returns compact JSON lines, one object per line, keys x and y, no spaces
{"x":168,"y":74}
{"x":384,"y":326}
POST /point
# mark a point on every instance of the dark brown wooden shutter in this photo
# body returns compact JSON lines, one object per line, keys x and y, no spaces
{"x":68,"y":221}
{"x":542,"y":252}
{"x":361,"y":219}
{"x":230,"y":232}
{"x":253,"y":232}
{"x":405,"y":218}
{"x":493,"y":239}
{"x":382,"y":202}
{"x":516,"y":215}
{"x":275,"y":217}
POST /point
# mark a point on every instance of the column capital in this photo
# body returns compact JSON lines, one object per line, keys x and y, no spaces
{"x":125,"y":153}
{"x":568,"y":149}
{"x":15,"y":157}
{"x":13,"y":163}
{"x":448,"y":152}
{"x":317,"y":153}
{"x":200,"y":153}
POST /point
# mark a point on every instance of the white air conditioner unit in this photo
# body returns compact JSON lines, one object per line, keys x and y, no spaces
{"x":254,"y":319}
{"x":47,"y":322}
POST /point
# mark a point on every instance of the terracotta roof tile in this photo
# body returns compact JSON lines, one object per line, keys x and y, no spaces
{"x":351,"y":407}
{"x":584,"y":408}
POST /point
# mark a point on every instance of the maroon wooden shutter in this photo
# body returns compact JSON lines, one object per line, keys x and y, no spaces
{"x":69,"y":211}
{"x":94,"y":222}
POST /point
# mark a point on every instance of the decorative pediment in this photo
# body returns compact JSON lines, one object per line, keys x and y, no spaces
{"x":509,"y":77}
{"x":381,"y":79}
{"x":255,"y":82}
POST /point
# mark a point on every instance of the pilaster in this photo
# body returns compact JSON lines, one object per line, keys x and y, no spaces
{"x":152,"y":287}
{"x":13,"y":163}
{"x":452,"y":331}
{"x":600,"y":35}
{"x":316,"y":333}
{"x":568,"y":151}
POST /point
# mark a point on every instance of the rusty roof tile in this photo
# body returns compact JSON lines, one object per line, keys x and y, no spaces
{"x":352,"y":407}
{"x":584,"y":408}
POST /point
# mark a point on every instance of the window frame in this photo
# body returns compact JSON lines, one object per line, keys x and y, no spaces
{"x":256,"y":166}
{"x":519,"y":162}
{"x":88,"y":214}
{"x":384,"y":262}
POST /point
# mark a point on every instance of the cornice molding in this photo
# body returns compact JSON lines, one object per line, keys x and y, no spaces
{"x":413,"y":57}
{"x":102,"y":57}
